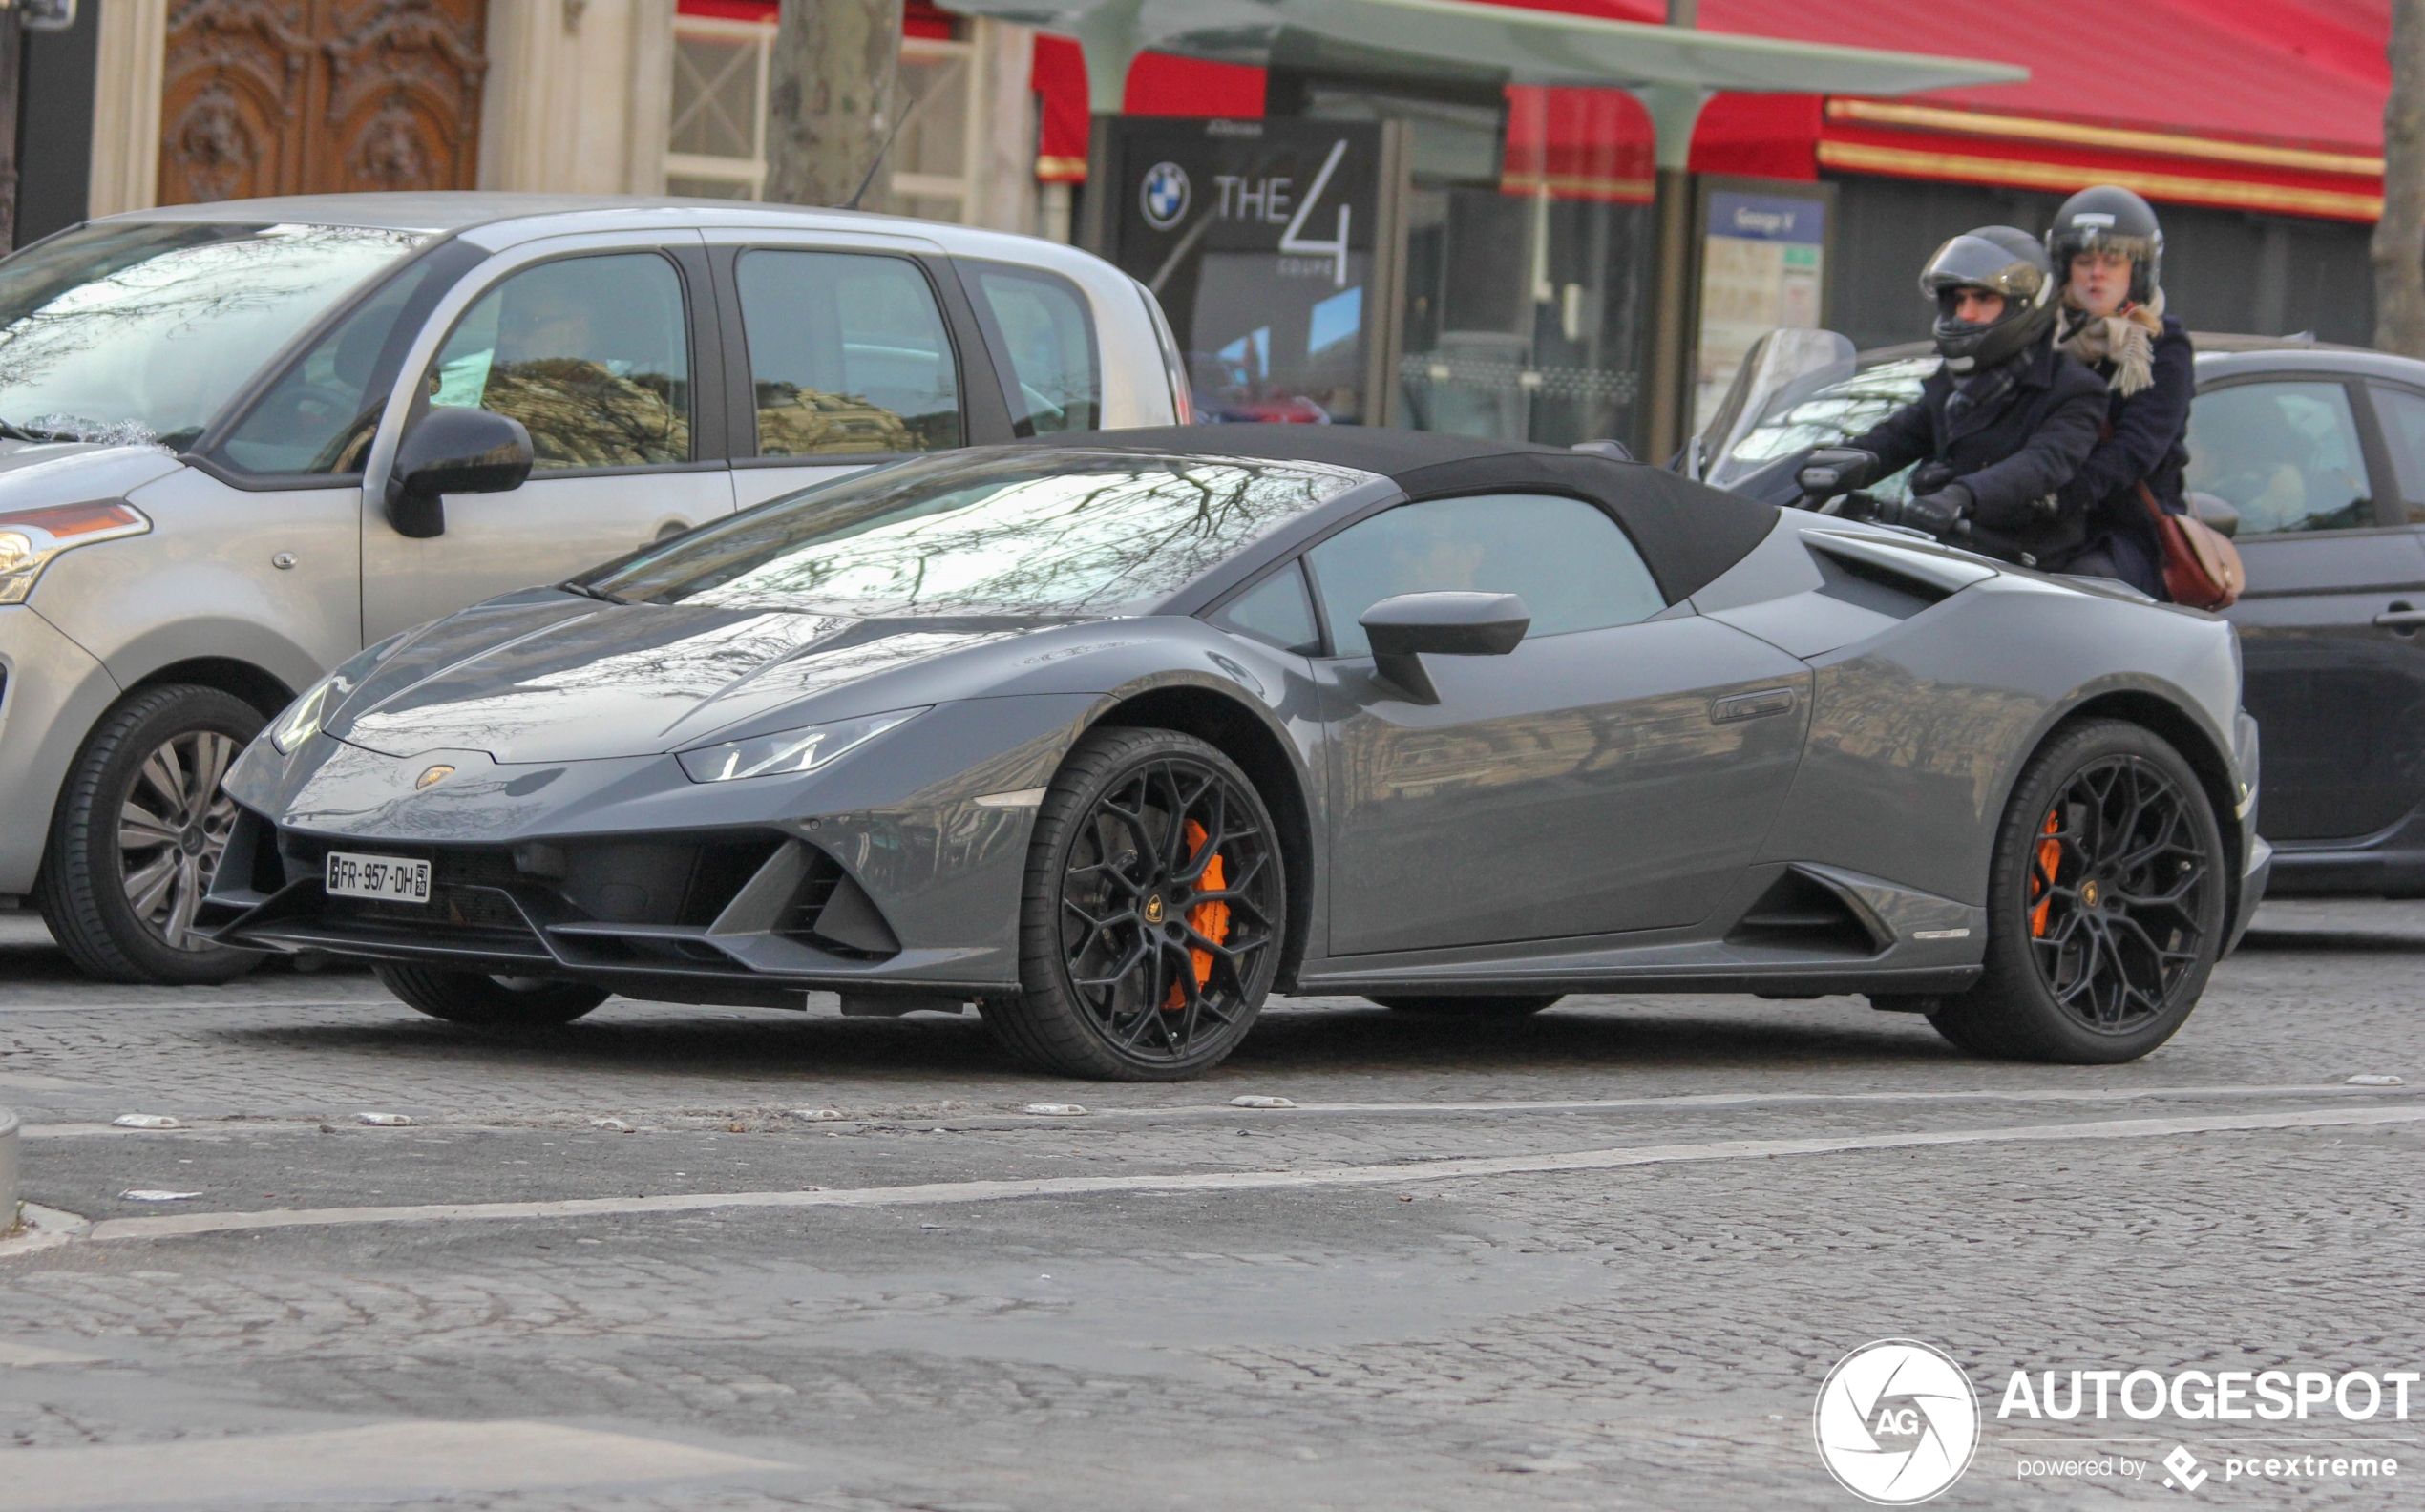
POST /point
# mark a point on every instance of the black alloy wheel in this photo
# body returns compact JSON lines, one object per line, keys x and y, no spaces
{"x":479,"y":1001}
{"x":137,"y":834}
{"x":1154,"y":913}
{"x":2106,"y":906}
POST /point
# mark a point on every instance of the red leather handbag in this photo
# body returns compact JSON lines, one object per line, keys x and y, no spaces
{"x":2202,"y":567}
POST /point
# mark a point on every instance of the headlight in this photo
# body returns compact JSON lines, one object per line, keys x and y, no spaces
{"x":28,"y":538}
{"x":303,"y":715}
{"x":790,"y":751}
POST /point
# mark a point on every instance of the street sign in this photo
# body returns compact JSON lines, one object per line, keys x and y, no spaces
{"x":1762,"y":265}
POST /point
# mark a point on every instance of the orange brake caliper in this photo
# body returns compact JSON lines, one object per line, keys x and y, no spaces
{"x":1212,"y":920}
{"x":2041,"y":882}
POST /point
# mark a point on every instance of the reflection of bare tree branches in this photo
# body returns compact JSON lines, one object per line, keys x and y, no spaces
{"x":163,"y":333}
{"x":1072,"y":532}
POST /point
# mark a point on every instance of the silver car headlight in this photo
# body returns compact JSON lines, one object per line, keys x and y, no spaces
{"x":304,"y":716}
{"x":788,"y":751}
{"x":28,"y":538}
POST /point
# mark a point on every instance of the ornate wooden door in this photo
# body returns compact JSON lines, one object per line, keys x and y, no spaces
{"x":317,"y":97}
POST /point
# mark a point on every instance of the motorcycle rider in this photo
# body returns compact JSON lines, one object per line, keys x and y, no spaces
{"x":2108,"y":254}
{"x":2000,"y":427}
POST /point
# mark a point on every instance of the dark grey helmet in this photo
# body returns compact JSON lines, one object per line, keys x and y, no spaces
{"x":2110,"y":218}
{"x":2000,"y":259}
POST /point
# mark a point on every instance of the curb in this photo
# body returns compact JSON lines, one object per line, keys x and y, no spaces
{"x":7,"y":1170}
{"x":42,"y":1228}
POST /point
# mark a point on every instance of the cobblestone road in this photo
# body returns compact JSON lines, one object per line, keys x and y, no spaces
{"x":1378,"y":1332}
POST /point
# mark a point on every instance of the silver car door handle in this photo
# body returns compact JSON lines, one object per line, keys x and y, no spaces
{"x":2401,"y":619}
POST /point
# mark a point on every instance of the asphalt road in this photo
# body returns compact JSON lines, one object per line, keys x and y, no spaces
{"x":1601,"y":1258}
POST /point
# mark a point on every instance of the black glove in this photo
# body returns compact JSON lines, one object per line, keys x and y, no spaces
{"x":1942,"y":514}
{"x":1836,"y":470}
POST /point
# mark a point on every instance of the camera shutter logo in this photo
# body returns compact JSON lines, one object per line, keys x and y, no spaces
{"x":1165,"y":194}
{"x":1896,"y":1423}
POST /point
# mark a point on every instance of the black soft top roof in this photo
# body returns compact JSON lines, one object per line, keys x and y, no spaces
{"x":1687,"y":532}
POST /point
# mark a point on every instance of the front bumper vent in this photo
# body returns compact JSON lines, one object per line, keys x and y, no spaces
{"x":832,"y":913}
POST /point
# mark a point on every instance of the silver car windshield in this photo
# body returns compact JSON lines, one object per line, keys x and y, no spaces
{"x":1032,"y":532}
{"x":144,"y":332}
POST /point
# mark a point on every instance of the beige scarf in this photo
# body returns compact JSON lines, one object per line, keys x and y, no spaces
{"x":2126,"y":338}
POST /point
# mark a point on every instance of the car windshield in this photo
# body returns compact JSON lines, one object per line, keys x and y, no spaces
{"x":144,"y":332}
{"x":1025,"y":531}
{"x":1831,"y":414}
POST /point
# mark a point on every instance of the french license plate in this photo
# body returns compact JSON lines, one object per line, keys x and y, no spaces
{"x":390,"y":879}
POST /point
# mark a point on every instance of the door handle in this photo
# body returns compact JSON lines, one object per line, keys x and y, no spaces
{"x":1751,"y":706}
{"x":2400,"y":616}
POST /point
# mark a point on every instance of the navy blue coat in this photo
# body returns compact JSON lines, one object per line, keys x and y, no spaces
{"x":2144,"y":443}
{"x":2009,"y":454}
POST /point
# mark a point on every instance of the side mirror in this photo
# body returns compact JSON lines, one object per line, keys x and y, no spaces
{"x":1444,"y":624}
{"x":2215,"y":513}
{"x":453,"y":450}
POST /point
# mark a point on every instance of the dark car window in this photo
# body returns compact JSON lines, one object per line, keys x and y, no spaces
{"x":592,"y":354}
{"x":848,"y":355}
{"x":1064,"y":531}
{"x":2402,"y":412}
{"x":1276,"y":611}
{"x":1046,"y":340}
{"x":2285,"y":455}
{"x":1573,"y":565}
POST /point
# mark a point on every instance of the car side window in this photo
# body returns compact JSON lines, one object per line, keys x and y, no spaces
{"x":1276,"y":611}
{"x":1573,"y":567}
{"x":321,"y":414}
{"x":2402,"y":412}
{"x":592,"y":354}
{"x":2285,"y":455}
{"x":1045,"y":338}
{"x":848,"y":354}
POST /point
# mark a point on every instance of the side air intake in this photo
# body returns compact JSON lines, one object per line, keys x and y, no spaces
{"x":835,"y":913}
{"x":1801,"y":913}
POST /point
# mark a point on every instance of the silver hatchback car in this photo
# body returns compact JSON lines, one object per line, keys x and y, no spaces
{"x":226,"y":462}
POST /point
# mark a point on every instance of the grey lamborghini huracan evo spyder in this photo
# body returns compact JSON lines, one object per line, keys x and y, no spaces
{"x":1118,"y":734}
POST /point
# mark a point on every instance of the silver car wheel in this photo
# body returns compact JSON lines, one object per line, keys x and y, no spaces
{"x":172,"y":830}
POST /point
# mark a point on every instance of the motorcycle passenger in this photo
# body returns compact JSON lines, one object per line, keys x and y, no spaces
{"x":2108,"y":252}
{"x":2000,"y":427}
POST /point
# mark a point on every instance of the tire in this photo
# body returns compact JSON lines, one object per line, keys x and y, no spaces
{"x":1125,"y":973}
{"x":138,"y":832}
{"x":1507,"y":1007}
{"x":481,"y":1001}
{"x":2100,"y":957}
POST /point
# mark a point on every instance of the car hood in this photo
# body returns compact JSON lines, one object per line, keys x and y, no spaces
{"x":573,"y":680}
{"x":37,"y":474}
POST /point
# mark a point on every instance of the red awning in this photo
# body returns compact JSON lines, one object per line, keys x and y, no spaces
{"x":2264,"y":105}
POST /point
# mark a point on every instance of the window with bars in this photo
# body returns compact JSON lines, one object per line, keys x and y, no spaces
{"x":716,"y":143}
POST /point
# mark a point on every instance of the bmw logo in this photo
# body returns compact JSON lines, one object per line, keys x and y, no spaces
{"x":1165,"y":194}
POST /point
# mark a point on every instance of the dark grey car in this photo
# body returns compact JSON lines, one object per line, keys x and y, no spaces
{"x":1116,"y":736}
{"x":2319,"y":454}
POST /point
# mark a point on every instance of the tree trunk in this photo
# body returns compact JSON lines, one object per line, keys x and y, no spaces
{"x":832,"y":84}
{"x":2399,"y":237}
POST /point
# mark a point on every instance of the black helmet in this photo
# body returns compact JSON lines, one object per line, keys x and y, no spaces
{"x":2001,"y":261}
{"x":2110,"y":218}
